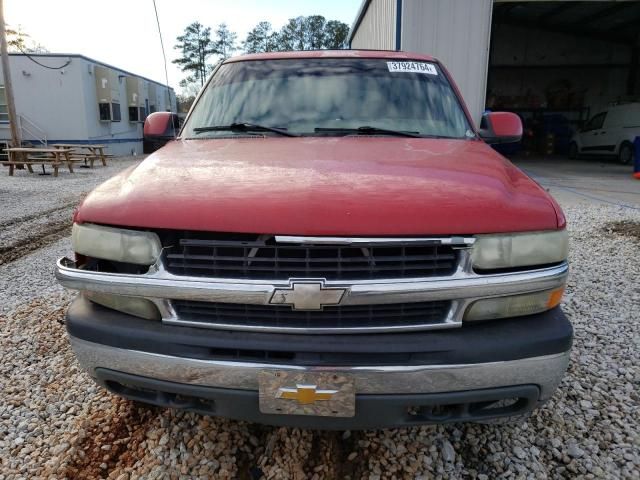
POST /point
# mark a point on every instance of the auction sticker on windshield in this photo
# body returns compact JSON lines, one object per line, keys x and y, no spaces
{"x":412,"y":67}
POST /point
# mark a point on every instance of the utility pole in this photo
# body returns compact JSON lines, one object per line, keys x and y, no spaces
{"x":8,"y":88}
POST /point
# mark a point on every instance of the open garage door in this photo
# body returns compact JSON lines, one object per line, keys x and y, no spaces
{"x":558,"y":64}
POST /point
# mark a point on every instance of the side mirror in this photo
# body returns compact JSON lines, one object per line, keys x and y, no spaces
{"x":161,"y":125}
{"x":500,"y":127}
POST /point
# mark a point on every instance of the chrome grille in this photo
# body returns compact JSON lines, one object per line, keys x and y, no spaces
{"x":262,"y":257}
{"x":366,"y":317}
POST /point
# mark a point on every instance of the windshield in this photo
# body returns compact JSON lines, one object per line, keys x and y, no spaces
{"x":334,"y":96}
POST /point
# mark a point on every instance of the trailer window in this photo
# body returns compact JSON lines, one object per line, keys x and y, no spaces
{"x":4,"y":112}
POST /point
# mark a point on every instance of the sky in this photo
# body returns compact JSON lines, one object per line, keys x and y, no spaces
{"x":124,"y":33}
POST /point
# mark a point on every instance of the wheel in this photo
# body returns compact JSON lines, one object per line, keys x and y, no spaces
{"x":625,"y":155}
{"x":573,"y":150}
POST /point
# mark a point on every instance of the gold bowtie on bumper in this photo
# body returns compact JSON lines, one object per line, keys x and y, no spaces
{"x":296,"y":392}
{"x":305,"y":394}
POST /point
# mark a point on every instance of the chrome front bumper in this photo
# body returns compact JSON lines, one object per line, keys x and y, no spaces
{"x":462,"y":288}
{"x":545,"y":371}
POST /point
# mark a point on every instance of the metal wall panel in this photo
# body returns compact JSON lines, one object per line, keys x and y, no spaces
{"x":377,"y":28}
{"x":457,"y":32}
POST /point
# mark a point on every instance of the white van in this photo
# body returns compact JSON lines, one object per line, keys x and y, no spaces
{"x":609,"y":133}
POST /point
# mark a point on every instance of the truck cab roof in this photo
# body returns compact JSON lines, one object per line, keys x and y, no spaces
{"x":390,"y":54}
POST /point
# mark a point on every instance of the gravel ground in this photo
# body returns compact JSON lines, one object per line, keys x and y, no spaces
{"x":35,"y":215}
{"x":55,"y":423}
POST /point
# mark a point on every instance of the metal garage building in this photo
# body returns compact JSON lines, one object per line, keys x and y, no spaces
{"x":552,"y":62}
{"x":63,"y":98}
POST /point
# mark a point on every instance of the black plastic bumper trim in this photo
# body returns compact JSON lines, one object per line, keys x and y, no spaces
{"x":372,"y":411}
{"x":547,"y":333}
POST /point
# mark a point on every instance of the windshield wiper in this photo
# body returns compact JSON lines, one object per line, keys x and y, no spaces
{"x":244,"y":127}
{"x":366,"y":130}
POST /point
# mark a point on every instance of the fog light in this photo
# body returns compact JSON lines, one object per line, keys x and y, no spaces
{"x":138,"y":307}
{"x":514,"y":305}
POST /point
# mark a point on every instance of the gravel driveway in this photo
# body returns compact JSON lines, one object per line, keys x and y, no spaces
{"x":55,"y":423}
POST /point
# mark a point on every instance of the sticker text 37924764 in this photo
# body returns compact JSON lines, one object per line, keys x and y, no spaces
{"x":412,"y":67}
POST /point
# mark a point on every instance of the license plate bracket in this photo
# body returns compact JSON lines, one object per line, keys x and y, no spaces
{"x":323,"y":394}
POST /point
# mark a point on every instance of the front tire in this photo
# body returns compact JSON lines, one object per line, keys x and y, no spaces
{"x":625,"y":155}
{"x":573,"y":151}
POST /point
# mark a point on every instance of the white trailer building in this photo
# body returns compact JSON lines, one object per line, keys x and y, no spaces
{"x":66,"y":98}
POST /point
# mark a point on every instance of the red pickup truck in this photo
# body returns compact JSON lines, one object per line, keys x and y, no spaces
{"x":329,"y":243}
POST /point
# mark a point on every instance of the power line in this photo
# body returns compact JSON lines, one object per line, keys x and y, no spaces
{"x":164,"y":56}
{"x":41,"y":64}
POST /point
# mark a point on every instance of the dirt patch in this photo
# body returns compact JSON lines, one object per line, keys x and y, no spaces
{"x":342,"y":455}
{"x":625,"y":228}
{"x":51,"y":340}
{"x":247,"y":460}
{"x":303,"y":454}
{"x":28,"y":218}
{"x":108,"y":439}
{"x":45,"y":235}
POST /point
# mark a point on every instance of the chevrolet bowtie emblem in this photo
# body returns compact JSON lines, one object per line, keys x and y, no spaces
{"x":305,"y":394}
{"x":307,"y":295}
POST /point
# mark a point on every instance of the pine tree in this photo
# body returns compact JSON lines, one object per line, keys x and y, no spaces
{"x":301,"y":33}
{"x":196,"y":47}
{"x":261,"y":39}
{"x":225,"y":42}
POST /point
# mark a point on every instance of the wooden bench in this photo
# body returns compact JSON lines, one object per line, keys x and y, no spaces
{"x":90,"y":153}
{"x":87,"y":158}
{"x":55,"y":157}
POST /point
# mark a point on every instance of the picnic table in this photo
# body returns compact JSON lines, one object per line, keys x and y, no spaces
{"x":28,"y":156}
{"x":90,"y":153}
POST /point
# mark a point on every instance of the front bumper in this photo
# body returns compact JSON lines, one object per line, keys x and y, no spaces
{"x":212,"y":371}
{"x":371,"y":411}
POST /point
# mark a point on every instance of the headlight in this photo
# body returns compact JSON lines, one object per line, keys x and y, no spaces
{"x":514,"y":305}
{"x":138,"y":307}
{"x":116,"y":244}
{"x":519,"y":249}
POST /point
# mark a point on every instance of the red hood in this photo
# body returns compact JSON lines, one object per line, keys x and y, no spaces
{"x":324,"y":186}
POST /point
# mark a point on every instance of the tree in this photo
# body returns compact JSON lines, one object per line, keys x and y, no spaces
{"x":261,"y":39}
{"x":225,"y":43}
{"x":184,"y":102}
{"x":196,"y":47}
{"x":336,"y":34}
{"x":19,"y":41}
{"x":314,"y":32}
{"x":309,"y":33}
{"x":292,"y":35}
{"x":189,"y":89}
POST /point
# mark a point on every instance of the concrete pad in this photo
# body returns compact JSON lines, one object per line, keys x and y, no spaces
{"x":584,"y":181}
